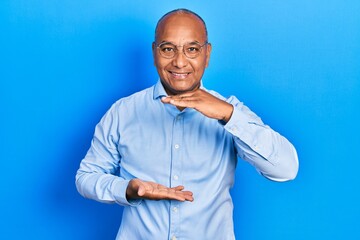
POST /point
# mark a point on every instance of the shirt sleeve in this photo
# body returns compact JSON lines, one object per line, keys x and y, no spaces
{"x":97,"y":176}
{"x":270,"y":153}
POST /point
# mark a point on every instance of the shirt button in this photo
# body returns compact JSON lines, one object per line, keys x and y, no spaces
{"x":176,"y":177}
{"x":176,"y":146}
{"x":173,"y":238}
{"x":175,"y":209}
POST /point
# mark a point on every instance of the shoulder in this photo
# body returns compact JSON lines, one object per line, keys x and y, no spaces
{"x":127,"y":105}
{"x":135,"y":98}
{"x":231,"y":99}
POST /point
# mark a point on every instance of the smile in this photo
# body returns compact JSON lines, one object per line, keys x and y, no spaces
{"x":179,"y":75}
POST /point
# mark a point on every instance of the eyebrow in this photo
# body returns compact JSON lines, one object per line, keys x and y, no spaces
{"x":167,"y":42}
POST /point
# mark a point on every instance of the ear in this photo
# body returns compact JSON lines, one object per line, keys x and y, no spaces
{"x":208,"y":53}
{"x":153,"y":46}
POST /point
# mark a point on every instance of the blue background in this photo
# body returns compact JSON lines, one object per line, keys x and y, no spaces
{"x":295,"y":63}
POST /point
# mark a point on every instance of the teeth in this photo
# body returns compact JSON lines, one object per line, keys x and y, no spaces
{"x":179,"y":75}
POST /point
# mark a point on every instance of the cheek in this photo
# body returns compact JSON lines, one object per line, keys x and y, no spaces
{"x":199,"y":67}
{"x":159,"y":62}
{"x":162,"y":64}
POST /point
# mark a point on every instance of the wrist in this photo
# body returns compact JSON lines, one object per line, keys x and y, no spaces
{"x":130,"y":190}
{"x":227,"y":112}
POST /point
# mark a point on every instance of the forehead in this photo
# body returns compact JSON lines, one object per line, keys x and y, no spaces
{"x":180,"y":28}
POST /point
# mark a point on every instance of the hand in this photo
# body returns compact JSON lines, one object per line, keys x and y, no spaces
{"x":203,"y":102}
{"x":154,"y":191}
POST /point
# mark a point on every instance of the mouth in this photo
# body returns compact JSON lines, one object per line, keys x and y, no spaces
{"x":179,"y":75}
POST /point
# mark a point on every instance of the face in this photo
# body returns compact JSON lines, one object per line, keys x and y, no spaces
{"x":181,"y":74}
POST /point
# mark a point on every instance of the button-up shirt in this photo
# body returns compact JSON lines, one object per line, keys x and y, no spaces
{"x":141,"y":137}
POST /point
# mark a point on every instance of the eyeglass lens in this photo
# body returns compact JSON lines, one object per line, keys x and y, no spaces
{"x":169,"y":50}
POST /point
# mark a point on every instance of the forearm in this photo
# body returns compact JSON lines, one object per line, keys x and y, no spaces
{"x":102,"y":187}
{"x":97,"y":175}
{"x":269,"y":152}
{"x":280,"y":163}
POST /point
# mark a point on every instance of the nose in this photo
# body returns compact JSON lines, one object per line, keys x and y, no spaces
{"x":180,"y":60}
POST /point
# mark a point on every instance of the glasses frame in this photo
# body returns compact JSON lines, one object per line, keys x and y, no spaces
{"x":177,"y":49}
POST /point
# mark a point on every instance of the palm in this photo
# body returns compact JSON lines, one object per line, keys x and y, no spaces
{"x":154,"y":191}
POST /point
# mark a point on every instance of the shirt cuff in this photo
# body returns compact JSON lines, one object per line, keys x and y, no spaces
{"x":236,"y":124}
{"x":120,"y":187}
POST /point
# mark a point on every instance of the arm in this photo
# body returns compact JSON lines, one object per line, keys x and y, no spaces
{"x":269,"y":152}
{"x":96,"y":178}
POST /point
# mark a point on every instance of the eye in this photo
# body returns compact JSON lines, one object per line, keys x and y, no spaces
{"x":167,"y":49}
{"x":193,"y":49}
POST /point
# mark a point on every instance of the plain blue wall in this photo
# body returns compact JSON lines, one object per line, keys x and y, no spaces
{"x":295,"y":63}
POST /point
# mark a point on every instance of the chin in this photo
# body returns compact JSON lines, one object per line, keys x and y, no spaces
{"x":183,"y":89}
{"x":175,"y":86}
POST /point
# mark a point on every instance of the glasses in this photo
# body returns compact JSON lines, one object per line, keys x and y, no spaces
{"x":169,"y":50}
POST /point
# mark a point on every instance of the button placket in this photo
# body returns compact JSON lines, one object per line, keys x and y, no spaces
{"x":175,"y":171}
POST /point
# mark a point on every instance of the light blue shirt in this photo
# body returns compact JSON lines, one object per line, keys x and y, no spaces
{"x":141,"y":137}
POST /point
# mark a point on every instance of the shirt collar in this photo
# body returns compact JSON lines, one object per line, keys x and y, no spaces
{"x":159,"y":90}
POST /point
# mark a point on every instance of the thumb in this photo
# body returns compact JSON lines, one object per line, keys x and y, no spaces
{"x":179,"y":188}
{"x":166,"y":99}
{"x":141,"y":190}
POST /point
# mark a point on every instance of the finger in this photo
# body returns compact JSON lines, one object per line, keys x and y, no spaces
{"x":188,"y":196}
{"x":182,"y":96}
{"x":141,"y":190}
{"x":187,"y":193}
{"x":174,"y":196}
{"x":176,"y":102}
{"x":169,"y":194}
{"x":166,"y":99}
{"x":178,"y":188}
{"x":189,"y":102}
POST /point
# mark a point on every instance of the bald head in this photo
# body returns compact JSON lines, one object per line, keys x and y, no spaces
{"x":179,"y":12}
{"x":179,"y":35}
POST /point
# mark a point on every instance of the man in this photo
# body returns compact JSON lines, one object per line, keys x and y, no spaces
{"x":178,"y":143}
